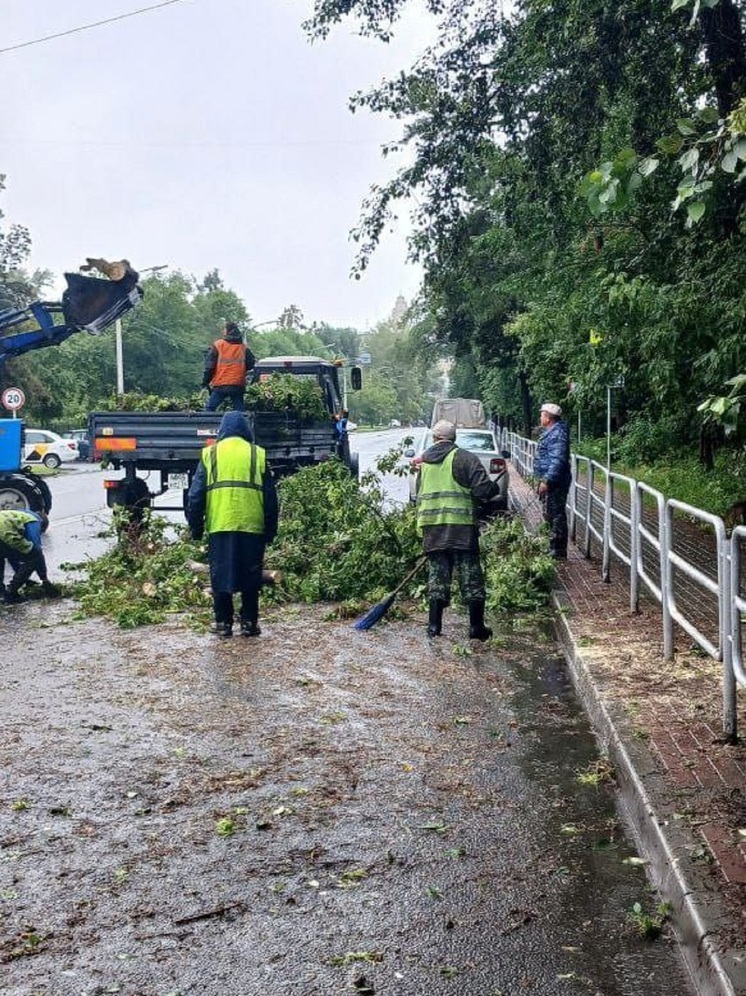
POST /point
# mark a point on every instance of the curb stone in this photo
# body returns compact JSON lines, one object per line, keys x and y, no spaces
{"x":698,"y":913}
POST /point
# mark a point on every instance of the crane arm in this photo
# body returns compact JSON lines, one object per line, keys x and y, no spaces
{"x":89,"y":304}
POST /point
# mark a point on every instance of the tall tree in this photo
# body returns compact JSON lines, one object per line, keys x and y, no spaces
{"x":503,"y":117}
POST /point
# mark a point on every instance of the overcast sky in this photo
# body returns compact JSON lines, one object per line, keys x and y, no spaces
{"x":206,"y":133}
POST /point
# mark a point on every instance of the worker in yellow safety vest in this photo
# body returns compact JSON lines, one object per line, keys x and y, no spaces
{"x":233,"y":500}
{"x":452,"y":484}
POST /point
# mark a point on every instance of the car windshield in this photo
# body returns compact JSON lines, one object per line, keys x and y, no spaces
{"x":474,"y":440}
{"x":468,"y":439}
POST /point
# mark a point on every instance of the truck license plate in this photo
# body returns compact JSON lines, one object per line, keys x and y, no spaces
{"x":178,"y":481}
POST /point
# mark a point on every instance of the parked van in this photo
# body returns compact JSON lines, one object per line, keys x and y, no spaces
{"x":465,"y":413}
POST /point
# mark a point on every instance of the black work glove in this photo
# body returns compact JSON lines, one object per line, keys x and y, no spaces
{"x":206,"y":380}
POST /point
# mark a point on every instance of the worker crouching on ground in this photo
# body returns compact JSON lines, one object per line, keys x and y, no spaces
{"x":234,"y":501}
{"x":227,"y":366}
{"x":452,"y":484}
{"x":20,"y":545}
{"x":552,"y":467}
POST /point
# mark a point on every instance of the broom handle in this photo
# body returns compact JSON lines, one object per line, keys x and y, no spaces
{"x":418,"y":566}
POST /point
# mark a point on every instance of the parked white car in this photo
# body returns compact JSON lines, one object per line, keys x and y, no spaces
{"x":483,"y":444}
{"x":43,"y":446}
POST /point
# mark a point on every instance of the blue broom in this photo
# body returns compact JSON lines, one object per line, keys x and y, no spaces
{"x":379,"y":610}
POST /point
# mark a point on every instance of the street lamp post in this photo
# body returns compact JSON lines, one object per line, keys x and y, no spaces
{"x":618,"y":383}
{"x":118,"y":334}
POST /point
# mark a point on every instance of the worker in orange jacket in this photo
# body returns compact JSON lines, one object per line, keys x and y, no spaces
{"x":227,"y":365}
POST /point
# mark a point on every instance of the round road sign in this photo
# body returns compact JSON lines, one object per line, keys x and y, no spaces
{"x":13,"y":398}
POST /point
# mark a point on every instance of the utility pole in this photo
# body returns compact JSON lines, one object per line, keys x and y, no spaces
{"x":118,"y":335}
{"x":120,"y":355}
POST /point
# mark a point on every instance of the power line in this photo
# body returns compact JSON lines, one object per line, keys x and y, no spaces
{"x":104,"y":144}
{"x":87,"y":27}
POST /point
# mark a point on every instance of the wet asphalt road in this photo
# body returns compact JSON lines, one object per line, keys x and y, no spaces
{"x":412,"y":819}
{"x":408,"y":819}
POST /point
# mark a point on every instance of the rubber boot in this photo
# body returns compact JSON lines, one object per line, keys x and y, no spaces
{"x":435,"y":619}
{"x":477,"y":629}
{"x":250,"y":613}
{"x":223,"y":630}
{"x":13,"y":597}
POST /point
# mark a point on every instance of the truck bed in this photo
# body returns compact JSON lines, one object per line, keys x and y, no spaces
{"x":174,"y":441}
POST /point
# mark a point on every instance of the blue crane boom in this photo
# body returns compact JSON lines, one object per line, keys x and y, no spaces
{"x":89,"y":304}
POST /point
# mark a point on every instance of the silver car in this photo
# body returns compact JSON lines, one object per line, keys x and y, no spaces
{"x":482,"y":443}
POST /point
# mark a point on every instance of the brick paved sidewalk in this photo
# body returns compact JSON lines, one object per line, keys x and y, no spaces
{"x":683,"y":789}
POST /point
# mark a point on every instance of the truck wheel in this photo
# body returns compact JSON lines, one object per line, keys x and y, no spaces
{"x":134,"y":497}
{"x":21,"y":494}
{"x":354,"y":465}
{"x":46,"y":495}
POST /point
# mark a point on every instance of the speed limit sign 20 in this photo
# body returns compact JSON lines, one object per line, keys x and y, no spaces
{"x":13,"y":398}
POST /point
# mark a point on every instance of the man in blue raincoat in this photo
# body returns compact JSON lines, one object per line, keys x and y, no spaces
{"x":233,"y":500}
{"x":20,"y":545}
{"x":552,"y":467}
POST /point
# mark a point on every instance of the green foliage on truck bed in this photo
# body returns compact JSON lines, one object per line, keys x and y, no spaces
{"x":133,"y":401}
{"x":288,"y":392}
{"x":301,"y":396}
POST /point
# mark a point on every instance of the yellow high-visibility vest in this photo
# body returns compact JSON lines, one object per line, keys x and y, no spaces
{"x":235,"y":499}
{"x":441,"y":500}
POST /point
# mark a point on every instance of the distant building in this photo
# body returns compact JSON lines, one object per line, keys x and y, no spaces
{"x":399,"y":311}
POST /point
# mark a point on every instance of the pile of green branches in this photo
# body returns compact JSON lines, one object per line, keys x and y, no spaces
{"x":145,"y":576}
{"x":133,"y":401}
{"x":287,"y":392}
{"x":339,"y":542}
{"x":518,"y":569}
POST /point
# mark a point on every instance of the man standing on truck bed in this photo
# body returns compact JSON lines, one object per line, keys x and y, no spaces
{"x":227,"y":365}
{"x":233,"y":499}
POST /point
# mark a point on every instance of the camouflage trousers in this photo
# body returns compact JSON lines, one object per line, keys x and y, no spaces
{"x":468,"y":567}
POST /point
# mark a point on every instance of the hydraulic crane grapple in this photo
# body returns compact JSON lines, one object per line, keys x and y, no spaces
{"x":90,"y":304}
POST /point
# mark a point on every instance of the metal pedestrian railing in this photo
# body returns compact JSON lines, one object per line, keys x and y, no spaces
{"x":699,"y":584}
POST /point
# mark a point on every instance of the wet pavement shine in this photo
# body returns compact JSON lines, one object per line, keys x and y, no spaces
{"x":316,"y":812}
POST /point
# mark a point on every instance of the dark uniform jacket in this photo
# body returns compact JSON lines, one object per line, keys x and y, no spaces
{"x":233,"y":556}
